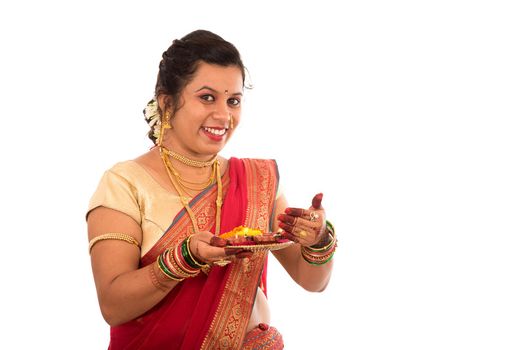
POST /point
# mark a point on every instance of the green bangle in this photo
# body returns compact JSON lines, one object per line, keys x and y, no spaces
{"x":187,"y":256}
{"x":198,"y":263}
{"x":165,"y":270}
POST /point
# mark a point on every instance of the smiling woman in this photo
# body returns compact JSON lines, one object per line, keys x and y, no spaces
{"x":164,"y":277}
{"x":203,"y":120}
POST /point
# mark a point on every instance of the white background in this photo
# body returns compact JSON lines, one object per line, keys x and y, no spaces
{"x":406,"y":114}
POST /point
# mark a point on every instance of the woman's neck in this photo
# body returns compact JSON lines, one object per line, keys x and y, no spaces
{"x":182,"y":153}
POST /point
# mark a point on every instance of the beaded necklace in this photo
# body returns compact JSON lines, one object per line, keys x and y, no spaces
{"x":191,"y":162}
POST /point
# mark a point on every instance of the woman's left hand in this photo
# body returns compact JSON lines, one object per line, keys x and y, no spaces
{"x":304,"y":226}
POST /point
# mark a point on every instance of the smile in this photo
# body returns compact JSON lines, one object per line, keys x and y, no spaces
{"x":218,"y":132}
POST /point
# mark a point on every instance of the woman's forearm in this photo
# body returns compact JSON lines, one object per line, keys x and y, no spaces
{"x":313,"y":278}
{"x":133,"y":293}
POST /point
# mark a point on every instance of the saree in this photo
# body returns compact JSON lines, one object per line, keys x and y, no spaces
{"x":263,"y":337}
{"x":210,"y":311}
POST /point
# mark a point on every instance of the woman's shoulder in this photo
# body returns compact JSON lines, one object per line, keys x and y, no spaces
{"x":127,"y":169}
{"x":131,"y":167}
{"x":131,"y":171}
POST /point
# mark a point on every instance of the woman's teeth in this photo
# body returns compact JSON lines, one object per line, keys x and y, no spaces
{"x":218,"y":132}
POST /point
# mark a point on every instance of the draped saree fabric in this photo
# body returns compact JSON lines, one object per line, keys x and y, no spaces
{"x":210,"y":311}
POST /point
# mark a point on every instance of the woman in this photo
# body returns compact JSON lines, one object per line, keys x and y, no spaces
{"x":164,"y":278}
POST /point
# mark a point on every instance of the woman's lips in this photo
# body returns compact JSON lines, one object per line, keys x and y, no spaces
{"x":215,"y":134}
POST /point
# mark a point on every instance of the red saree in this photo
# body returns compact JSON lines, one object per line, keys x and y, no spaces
{"x":210,"y":311}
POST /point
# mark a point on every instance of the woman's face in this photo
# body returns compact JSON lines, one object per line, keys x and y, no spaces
{"x":201,"y":126}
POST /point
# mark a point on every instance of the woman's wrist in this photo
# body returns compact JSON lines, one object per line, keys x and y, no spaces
{"x":323,"y":251}
{"x":191,"y":258}
{"x":325,"y":238}
{"x":177,"y":263}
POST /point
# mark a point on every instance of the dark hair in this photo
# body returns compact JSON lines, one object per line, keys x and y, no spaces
{"x":180,"y":62}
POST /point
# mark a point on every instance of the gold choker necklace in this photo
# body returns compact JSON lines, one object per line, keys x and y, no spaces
{"x":191,"y":162}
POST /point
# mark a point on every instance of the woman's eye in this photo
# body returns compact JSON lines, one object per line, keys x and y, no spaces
{"x":207,"y":98}
{"x":234,"y":101}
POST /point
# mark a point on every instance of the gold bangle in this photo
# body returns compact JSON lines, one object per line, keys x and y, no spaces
{"x":154,"y":279}
{"x":325,"y":248}
{"x":113,"y":236}
{"x":191,"y":255}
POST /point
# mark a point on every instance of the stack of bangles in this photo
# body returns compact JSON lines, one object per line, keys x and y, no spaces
{"x":177,"y":263}
{"x":321,"y":255}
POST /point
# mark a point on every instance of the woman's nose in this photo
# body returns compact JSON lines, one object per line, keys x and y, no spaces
{"x":222,"y":111}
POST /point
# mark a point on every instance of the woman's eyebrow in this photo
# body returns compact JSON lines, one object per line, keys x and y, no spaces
{"x":216,"y":91}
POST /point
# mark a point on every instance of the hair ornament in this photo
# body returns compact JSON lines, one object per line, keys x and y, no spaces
{"x":152,"y":117}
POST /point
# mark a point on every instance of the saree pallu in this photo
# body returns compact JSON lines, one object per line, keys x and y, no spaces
{"x":210,"y":311}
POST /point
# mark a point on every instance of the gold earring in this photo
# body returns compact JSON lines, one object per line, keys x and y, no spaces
{"x":164,"y":124}
{"x":167,"y":124}
{"x":231,"y":124}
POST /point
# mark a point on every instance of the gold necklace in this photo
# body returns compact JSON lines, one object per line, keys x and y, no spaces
{"x":185,"y":200}
{"x":187,"y":161}
{"x":188,"y":185}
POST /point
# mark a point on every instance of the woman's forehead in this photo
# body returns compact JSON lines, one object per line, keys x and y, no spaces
{"x":217,"y":77}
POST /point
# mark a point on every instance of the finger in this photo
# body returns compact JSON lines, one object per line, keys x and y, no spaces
{"x":287,"y":219}
{"x":286,"y":227}
{"x":295,"y":211}
{"x":294,"y":221}
{"x":294,"y":233}
{"x":297,"y":231}
{"x":233,"y":251}
{"x":208,"y":253}
{"x":218,"y":242}
{"x":298,"y":235}
{"x":316,"y":203}
{"x":315,"y":215}
{"x":288,"y":235}
{"x":301,"y":232}
{"x":227,"y":253}
{"x":203,"y":236}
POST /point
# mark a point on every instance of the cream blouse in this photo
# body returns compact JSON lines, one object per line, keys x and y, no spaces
{"x":130,"y":189}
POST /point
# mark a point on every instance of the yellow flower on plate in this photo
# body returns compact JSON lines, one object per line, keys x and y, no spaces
{"x":241,"y":231}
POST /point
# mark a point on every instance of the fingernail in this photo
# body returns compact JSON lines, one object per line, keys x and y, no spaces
{"x":288,"y":211}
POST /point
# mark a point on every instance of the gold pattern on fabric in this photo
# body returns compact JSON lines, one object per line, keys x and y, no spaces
{"x":234,"y":310}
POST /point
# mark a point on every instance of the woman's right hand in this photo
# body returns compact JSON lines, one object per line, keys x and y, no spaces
{"x":208,"y":248}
